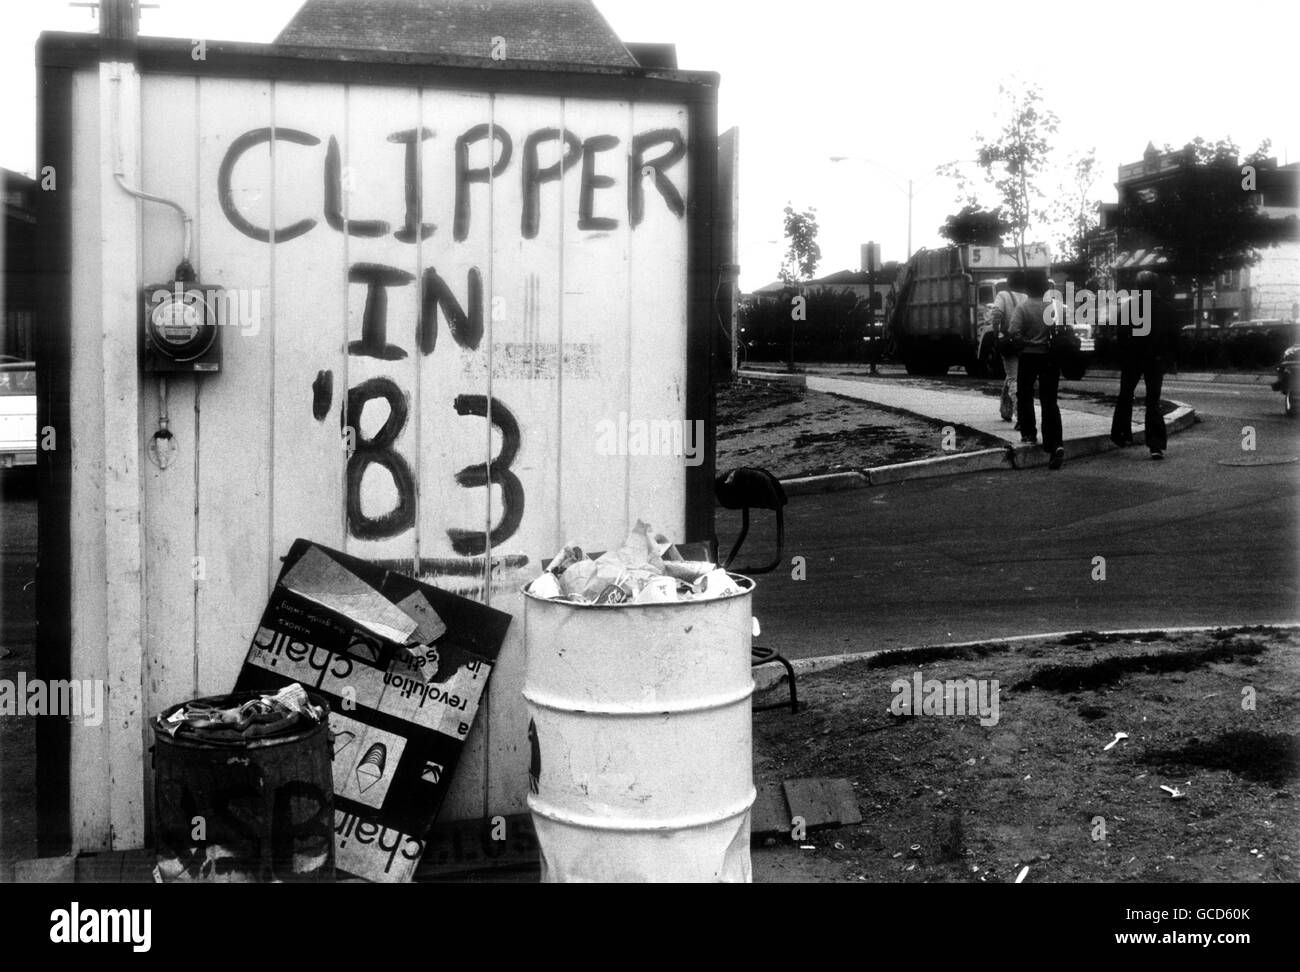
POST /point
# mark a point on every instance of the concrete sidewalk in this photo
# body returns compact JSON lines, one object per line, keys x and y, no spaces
{"x":1085,"y":433}
{"x":972,"y":409}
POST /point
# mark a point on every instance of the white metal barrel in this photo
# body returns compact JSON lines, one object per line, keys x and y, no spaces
{"x":642,"y":738}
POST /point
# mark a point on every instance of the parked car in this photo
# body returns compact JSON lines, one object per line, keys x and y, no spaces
{"x":17,"y":413}
{"x":1261,"y":323}
{"x":1277,"y":330}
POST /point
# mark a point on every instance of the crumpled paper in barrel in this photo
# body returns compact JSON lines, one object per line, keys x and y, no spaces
{"x":646,"y":569}
{"x":257,"y":717}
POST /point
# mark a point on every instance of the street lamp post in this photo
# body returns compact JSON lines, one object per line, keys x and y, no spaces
{"x":855,"y":158}
{"x":871,"y":303}
{"x":909,"y":219}
{"x":910,"y":185}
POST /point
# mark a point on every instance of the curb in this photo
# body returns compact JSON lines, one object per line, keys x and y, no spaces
{"x":1029,"y":456}
{"x":784,"y":377}
{"x":769,"y":677}
{"x":1105,"y":374}
{"x":1012,"y":456}
{"x":1203,"y":377}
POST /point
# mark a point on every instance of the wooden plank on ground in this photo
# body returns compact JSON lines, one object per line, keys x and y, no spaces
{"x":822,"y":802}
{"x":771,"y":813}
{"x":841,"y":792}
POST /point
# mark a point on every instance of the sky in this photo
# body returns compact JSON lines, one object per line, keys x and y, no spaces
{"x":897,"y":89}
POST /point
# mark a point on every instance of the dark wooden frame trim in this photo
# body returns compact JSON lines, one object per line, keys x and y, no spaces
{"x":167,"y":55}
{"x":703,"y":263}
{"x":53,"y":342}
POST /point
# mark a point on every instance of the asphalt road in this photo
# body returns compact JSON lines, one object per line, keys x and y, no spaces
{"x":1187,"y":541}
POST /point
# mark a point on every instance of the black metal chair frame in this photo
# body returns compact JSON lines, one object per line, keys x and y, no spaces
{"x":763,"y":656}
{"x":744,"y":532}
{"x":760,"y":655}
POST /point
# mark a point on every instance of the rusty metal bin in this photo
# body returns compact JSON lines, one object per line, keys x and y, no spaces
{"x":642,"y":738}
{"x":259,"y":810}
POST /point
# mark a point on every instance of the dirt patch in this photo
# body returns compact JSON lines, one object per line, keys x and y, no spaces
{"x":1270,"y":758}
{"x":1109,"y":671}
{"x":1211,"y":716}
{"x":793,"y":432}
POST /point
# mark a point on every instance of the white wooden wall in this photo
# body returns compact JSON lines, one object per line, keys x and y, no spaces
{"x":254,"y":468}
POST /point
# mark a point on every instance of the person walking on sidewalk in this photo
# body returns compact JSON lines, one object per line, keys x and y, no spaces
{"x":1029,"y":333}
{"x":1148,"y":346}
{"x":1004,"y":305}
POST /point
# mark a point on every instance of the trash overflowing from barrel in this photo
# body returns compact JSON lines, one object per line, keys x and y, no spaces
{"x":647,"y":569}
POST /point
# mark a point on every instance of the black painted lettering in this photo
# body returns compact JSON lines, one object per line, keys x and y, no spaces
{"x":435,"y":296}
{"x":534,"y":175}
{"x":378,"y":450}
{"x":233,"y":154}
{"x":591,"y":182}
{"x":413,"y":229}
{"x":637,"y":162}
{"x":334,"y":199}
{"x":300,"y":830}
{"x":322,"y":394}
{"x":470,"y":543}
{"x":465,"y":176}
{"x":374,"y":319}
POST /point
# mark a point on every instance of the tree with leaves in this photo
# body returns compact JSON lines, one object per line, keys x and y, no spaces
{"x":1074,"y":211}
{"x":802,"y":252}
{"x":1203,"y":217}
{"x":1015,"y":159}
{"x":976,"y":226}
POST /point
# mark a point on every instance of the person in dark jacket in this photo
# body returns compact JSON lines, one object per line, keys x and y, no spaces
{"x":1148,"y":346}
{"x":1029,"y":332}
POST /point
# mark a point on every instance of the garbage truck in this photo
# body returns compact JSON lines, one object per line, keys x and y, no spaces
{"x":942,"y":299}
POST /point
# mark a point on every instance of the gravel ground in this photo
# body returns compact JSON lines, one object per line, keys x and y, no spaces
{"x":1203,"y":788}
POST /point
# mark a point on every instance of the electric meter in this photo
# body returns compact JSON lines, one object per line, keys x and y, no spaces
{"x":181,"y":325}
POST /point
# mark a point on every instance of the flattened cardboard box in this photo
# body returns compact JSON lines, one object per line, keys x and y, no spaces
{"x":399,"y":718}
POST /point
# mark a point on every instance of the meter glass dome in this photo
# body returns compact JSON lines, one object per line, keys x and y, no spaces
{"x":177,"y":321}
{"x":179,"y":324}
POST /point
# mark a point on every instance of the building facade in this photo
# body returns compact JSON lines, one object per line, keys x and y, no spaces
{"x":1270,"y":288}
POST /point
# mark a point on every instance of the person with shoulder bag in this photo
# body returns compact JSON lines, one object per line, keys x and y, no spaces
{"x":1039,"y":367}
{"x":1004,"y":304}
